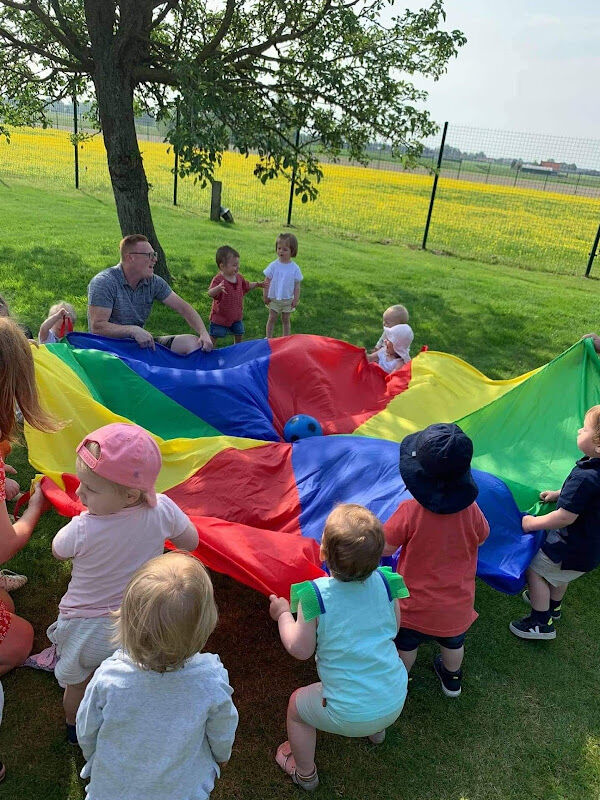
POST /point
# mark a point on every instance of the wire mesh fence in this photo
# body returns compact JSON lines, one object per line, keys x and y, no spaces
{"x":527,"y":200}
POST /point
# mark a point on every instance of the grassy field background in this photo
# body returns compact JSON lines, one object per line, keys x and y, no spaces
{"x":528,"y":722}
{"x":523,"y":226}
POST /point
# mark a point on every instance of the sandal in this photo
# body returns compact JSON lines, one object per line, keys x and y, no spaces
{"x":9,"y":581}
{"x":285,"y":759}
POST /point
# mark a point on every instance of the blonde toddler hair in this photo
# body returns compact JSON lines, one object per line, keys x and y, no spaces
{"x":63,"y":304}
{"x":352,"y":542}
{"x":594,"y":415}
{"x":400,"y":314}
{"x":168,"y":612}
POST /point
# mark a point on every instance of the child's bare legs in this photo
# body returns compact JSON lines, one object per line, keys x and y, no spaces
{"x":541,"y":592}
{"x":452,"y":659}
{"x":237,"y":339}
{"x":302,"y":738}
{"x":408,"y":657}
{"x":271,"y":323}
{"x":285,"y":323}
{"x":72,"y":699}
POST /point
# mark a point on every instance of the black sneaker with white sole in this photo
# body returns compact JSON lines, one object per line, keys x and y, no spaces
{"x":527,"y":628}
{"x":451,"y":681}
{"x":556,"y":612}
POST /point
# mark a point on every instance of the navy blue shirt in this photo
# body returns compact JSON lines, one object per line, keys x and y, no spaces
{"x":578,"y":546}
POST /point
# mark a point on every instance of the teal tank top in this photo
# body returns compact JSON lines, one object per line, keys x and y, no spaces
{"x":362,"y":675}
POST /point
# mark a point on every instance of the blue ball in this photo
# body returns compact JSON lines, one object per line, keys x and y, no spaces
{"x":301,"y":426}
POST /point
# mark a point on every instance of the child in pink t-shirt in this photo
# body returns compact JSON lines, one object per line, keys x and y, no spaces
{"x":125,"y":525}
{"x":440,"y":531}
{"x":227,"y":290}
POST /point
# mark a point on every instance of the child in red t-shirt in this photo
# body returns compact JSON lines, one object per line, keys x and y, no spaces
{"x":227,"y":290}
{"x":440,"y":531}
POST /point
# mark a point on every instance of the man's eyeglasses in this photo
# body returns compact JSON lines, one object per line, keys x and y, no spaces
{"x":140,"y":253}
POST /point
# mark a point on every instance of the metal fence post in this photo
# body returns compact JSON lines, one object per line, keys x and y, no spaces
{"x":75,"y":143}
{"x":593,"y":253}
{"x":293,"y":183}
{"x":434,"y":187}
{"x":176,"y":167}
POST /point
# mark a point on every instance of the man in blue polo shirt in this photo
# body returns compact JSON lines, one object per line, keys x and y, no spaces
{"x":120,"y":301}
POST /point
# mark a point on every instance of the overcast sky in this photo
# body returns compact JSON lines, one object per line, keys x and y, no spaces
{"x":529,"y":65}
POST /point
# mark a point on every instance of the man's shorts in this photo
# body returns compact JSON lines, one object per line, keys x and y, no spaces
{"x":551,"y":572}
{"x":281,"y":306}
{"x":309,"y":704}
{"x":82,"y":644}
{"x":408,"y":639}
{"x":220,"y":331}
{"x":166,"y":341}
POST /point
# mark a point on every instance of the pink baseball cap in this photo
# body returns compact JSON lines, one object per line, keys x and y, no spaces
{"x":128,"y":456}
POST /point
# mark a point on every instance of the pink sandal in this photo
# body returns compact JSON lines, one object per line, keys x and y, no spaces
{"x":285,"y":759}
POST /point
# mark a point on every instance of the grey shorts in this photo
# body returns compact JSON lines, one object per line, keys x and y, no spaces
{"x":309,"y":703}
{"x":551,"y":572}
{"x":82,"y":644}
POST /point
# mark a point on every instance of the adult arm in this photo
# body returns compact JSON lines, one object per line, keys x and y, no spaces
{"x":99,"y":324}
{"x":191,"y":316}
{"x":297,"y":636}
{"x":14,"y":537}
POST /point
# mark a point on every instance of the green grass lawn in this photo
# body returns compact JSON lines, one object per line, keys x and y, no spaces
{"x":528,"y":722}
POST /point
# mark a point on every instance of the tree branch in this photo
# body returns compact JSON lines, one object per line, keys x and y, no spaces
{"x":39,"y":51}
{"x":246,"y":53}
{"x":210,"y":48}
{"x":169,"y":6}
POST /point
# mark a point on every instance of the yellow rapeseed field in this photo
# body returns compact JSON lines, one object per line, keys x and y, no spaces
{"x":527,"y":227}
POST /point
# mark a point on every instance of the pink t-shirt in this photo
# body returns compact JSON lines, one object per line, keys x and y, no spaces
{"x":106,"y":550}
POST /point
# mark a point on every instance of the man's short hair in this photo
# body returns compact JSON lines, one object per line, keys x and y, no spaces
{"x":224,"y":253}
{"x":127,"y":243}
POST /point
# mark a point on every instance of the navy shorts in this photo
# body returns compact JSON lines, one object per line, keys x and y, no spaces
{"x":407,"y":639}
{"x":219,"y":331}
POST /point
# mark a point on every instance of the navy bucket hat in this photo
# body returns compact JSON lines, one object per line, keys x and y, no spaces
{"x":435,"y":465}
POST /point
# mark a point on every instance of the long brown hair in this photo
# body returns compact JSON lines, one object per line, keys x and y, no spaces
{"x":17,"y":383}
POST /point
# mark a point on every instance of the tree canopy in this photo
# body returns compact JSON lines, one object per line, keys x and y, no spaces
{"x":243,"y":73}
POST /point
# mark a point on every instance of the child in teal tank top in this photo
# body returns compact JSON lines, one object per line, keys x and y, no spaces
{"x":350,"y":619}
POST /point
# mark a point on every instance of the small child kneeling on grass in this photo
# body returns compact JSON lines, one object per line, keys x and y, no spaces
{"x":350,"y":619}
{"x":157,"y":719}
{"x":572,"y":546}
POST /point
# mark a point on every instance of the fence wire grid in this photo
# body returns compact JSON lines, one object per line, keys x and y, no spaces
{"x":513,"y":198}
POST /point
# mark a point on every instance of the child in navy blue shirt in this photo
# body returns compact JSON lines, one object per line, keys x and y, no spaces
{"x":572,"y":546}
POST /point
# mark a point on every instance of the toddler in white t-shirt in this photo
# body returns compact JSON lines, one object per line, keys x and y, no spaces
{"x":281,"y":291}
{"x":126,"y":524}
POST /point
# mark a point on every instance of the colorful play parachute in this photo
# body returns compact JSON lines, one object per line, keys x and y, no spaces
{"x":259,"y":504}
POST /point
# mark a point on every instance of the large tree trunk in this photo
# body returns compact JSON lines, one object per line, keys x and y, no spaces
{"x":114,"y":55}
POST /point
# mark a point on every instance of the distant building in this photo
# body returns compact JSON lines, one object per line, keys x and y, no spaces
{"x":538,"y":169}
{"x":551,"y":164}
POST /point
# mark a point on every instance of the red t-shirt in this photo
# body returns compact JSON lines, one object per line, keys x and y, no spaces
{"x":438,"y":563}
{"x":228,"y":308}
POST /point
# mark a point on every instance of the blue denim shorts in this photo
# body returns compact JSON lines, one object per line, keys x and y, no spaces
{"x":220,"y":331}
{"x":407,"y":639}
